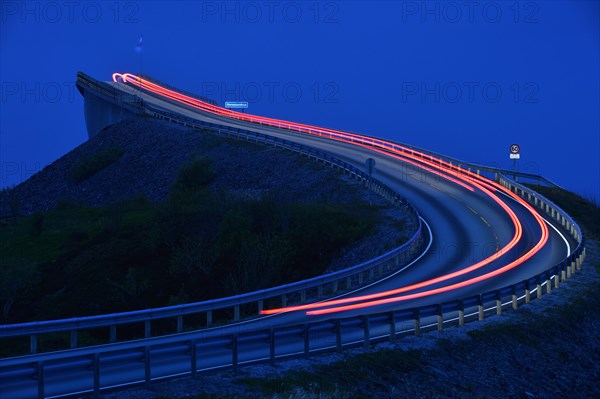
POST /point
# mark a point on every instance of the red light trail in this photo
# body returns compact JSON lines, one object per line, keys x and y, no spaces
{"x":463,"y":178}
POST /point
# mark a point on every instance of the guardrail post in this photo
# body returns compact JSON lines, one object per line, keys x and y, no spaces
{"x":96,"y":370}
{"x":234,"y":351}
{"x":573,"y":266}
{"x":556,"y":283}
{"x":193,"y":358}
{"x":527,"y":292}
{"x":480,"y":314}
{"x":392,"y":327}
{"x":348,"y":283}
{"x":306,"y":340}
{"x":272,"y":345}
{"x":563,"y":274}
{"x":33,"y":343}
{"x":461,"y":314}
{"x":147,"y":373}
{"x":40,"y":379}
{"x":360,"y":278}
{"x":147,"y":329}
{"x":73,"y":339}
{"x":208,"y":318}
{"x":538,"y":289}
{"x":498,"y":304}
{"x":179,"y":323}
{"x":113,"y":333}
{"x":367,"y":332}
{"x":568,"y":269}
{"x":515,"y":300}
{"x":440,"y":319}
{"x":338,"y":335}
{"x":578,"y":264}
{"x":417,"y":324}
{"x":236,"y":313}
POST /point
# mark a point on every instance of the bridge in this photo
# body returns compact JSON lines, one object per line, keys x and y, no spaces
{"x":483,"y":243}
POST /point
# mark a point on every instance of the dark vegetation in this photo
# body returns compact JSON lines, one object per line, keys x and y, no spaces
{"x":200,"y":243}
{"x":95,"y":163}
{"x":582,"y":210}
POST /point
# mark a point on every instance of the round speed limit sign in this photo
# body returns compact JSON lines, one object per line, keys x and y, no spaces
{"x":514,"y":148}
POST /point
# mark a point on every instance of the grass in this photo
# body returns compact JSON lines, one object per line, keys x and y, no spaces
{"x":352,"y":377}
{"x":87,"y":167}
{"x":64,"y":227}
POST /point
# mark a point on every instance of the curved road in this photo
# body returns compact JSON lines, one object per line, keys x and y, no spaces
{"x":465,"y":227}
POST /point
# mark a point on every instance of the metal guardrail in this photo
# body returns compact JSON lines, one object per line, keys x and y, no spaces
{"x":316,"y":288}
{"x":109,"y":91}
{"x":455,"y":161}
{"x":458,"y":163}
{"x":130,"y":102}
{"x":187,"y":353}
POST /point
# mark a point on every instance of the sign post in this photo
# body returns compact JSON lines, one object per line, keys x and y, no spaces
{"x":515,"y":151}
{"x":370,"y":164}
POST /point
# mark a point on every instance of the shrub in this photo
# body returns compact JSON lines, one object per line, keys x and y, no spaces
{"x":194,"y":175}
{"x":37,"y":224}
{"x":87,"y":167}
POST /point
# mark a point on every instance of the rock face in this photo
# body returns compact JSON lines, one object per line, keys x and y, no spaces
{"x":153,"y":153}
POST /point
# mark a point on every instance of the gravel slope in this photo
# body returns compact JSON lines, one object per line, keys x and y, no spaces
{"x":155,"y":150}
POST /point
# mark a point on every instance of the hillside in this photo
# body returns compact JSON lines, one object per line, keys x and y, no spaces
{"x":146,"y":214}
{"x":149,"y":154}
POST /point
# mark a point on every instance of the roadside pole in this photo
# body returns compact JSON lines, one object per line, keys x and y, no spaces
{"x":515,"y":150}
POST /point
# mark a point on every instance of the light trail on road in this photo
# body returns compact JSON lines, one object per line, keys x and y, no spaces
{"x":464,"y":178}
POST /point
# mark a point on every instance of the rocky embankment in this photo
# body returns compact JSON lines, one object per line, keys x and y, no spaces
{"x":151,"y":154}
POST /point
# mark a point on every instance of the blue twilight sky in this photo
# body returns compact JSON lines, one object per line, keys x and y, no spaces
{"x":463,"y":78}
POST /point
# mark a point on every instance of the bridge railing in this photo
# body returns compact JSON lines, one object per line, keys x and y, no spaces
{"x":109,"y":92}
{"x":476,"y":168}
{"x":205,"y":350}
{"x":238,"y":307}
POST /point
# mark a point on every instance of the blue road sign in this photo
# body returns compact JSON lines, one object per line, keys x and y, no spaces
{"x":236,"y":104}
